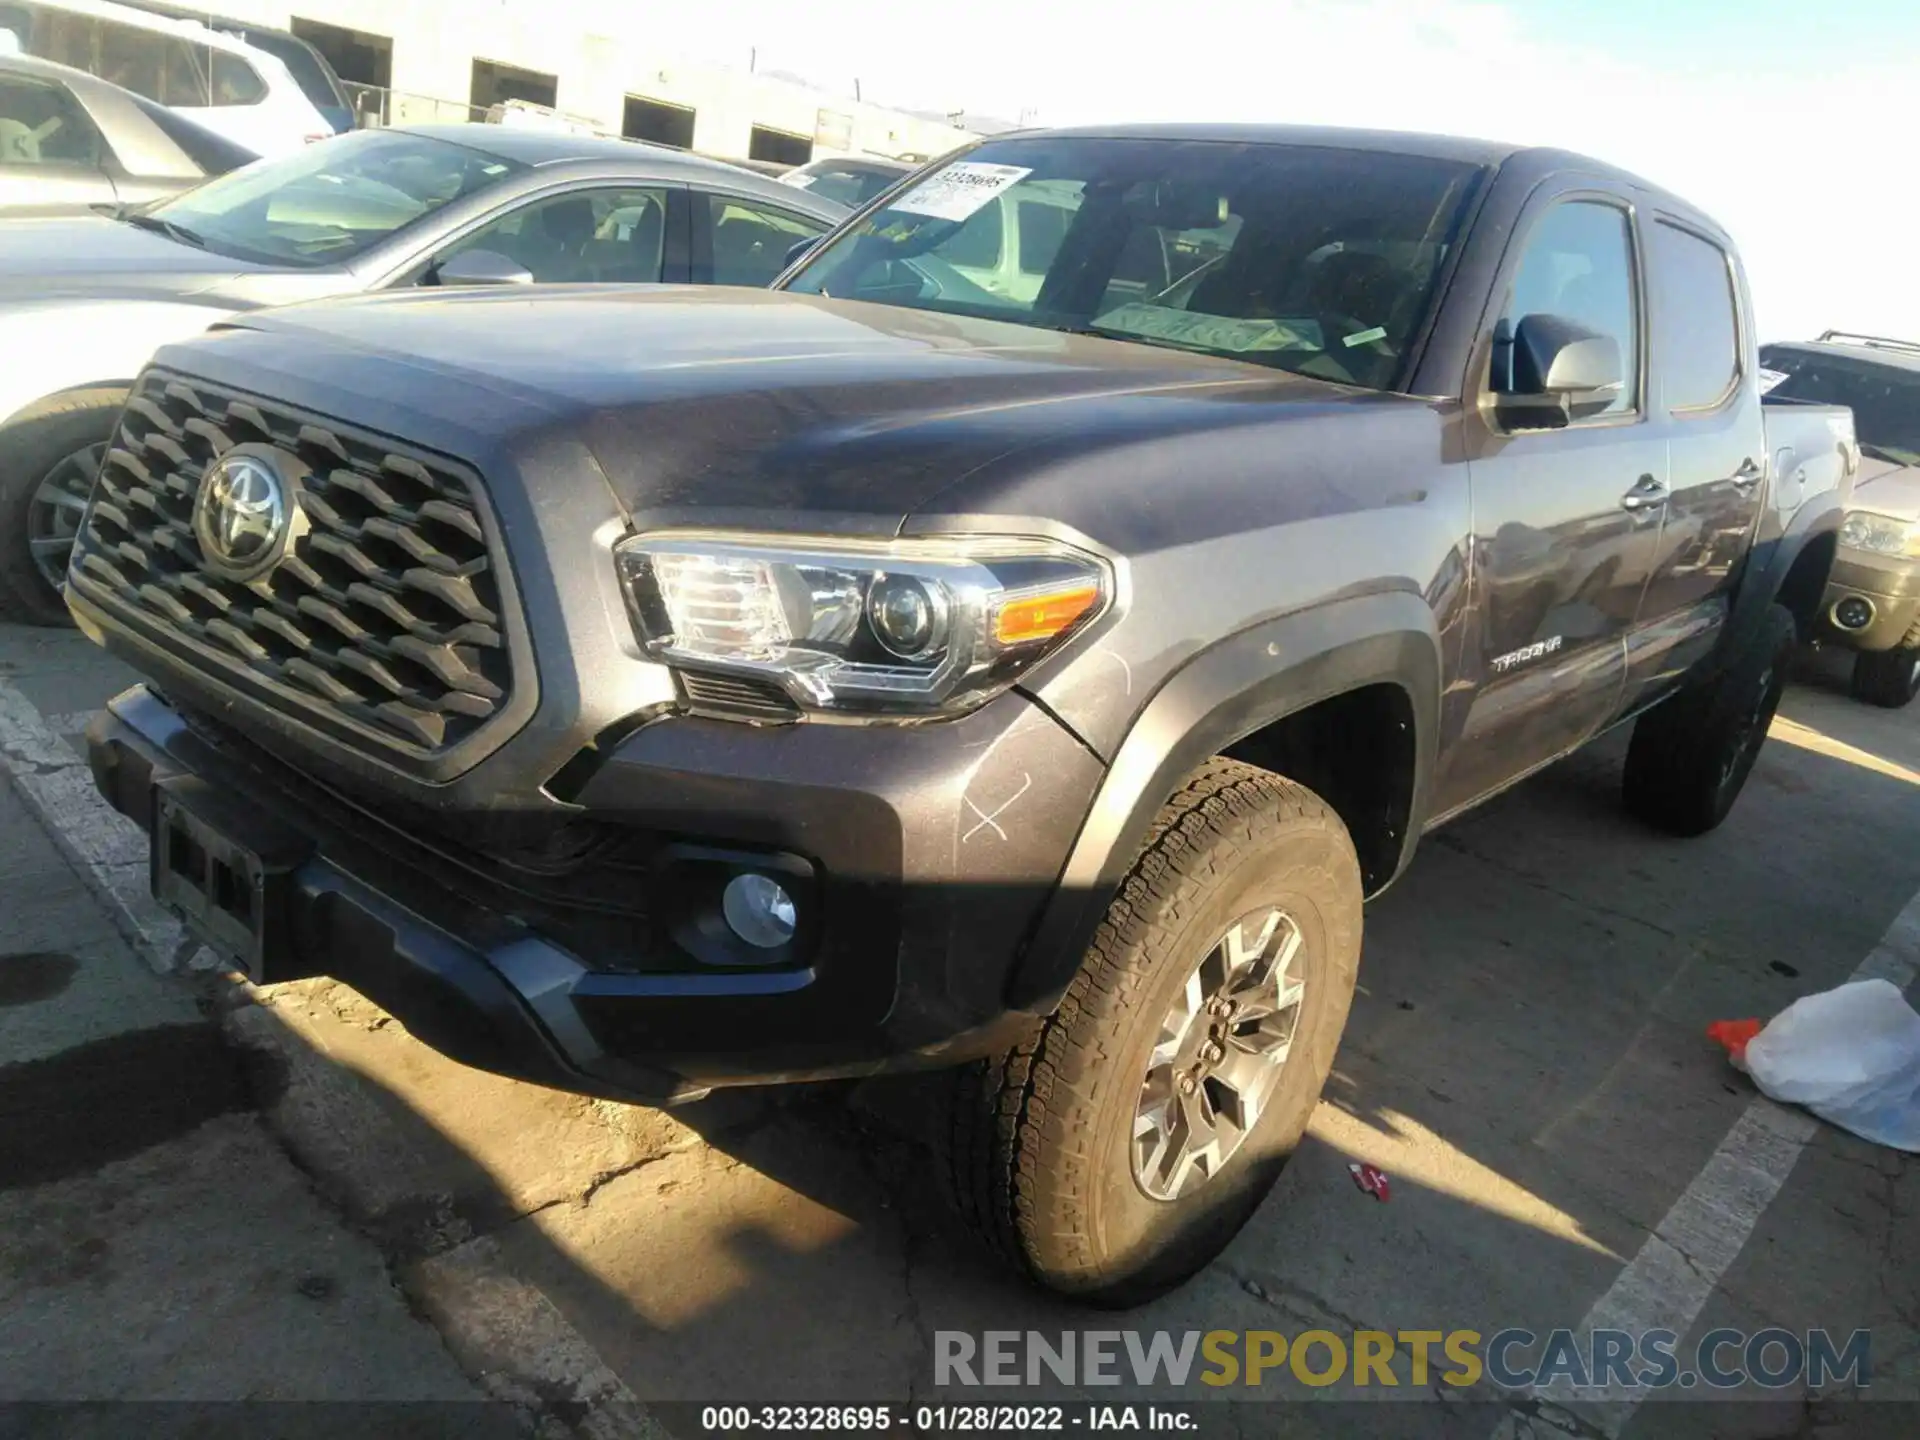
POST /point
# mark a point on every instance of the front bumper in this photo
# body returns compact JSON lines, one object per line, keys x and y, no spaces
{"x":927,"y":855}
{"x":1889,"y":585}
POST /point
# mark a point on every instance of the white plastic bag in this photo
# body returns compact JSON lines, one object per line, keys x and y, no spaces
{"x":1851,"y":1056}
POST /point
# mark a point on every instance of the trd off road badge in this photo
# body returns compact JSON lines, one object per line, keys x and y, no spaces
{"x":1503,"y":663}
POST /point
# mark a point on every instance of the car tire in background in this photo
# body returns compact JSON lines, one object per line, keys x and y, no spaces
{"x":1217,"y":984}
{"x":1887,"y":678}
{"x":1690,"y":755}
{"x":47,"y":464}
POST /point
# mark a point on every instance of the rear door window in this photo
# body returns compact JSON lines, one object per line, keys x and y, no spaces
{"x":976,"y":244}
{"x":1042,"y":228}
{"x":161,"y":67}
{"x":1696,"y":331}
{"x":750,"y":240}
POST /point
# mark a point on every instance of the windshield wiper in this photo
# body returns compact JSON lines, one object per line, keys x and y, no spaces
{"x":1891,"y":456}
{"x":1106,"y":332}
{"x":169,"y":228}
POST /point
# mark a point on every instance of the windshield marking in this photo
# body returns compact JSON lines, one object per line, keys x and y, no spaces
{"x":959,"y":190}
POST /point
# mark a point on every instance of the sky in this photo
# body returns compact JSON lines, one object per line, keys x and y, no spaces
{"x":1789,"y":121}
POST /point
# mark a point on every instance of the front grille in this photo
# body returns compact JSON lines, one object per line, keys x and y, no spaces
{"x":386,"y":613}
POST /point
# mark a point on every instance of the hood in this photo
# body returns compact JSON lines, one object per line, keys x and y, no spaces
{"x":731,"y":403}
{"x":95,"y":257}
{"x":1888,"y":488}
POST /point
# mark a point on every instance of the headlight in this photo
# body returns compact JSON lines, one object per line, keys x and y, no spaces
{"x":908,"y":627}
{"x":1881,"y":534}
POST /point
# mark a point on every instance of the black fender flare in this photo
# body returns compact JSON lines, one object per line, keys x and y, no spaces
{"x":1771,"y":560}
{"x":1226,"y":692}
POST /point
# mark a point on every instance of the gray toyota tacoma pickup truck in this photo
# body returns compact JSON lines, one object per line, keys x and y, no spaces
{"x":646,"y":690}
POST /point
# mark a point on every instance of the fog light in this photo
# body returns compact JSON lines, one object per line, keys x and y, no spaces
{"x":1853,"y":613}
{"x":758,"y":910}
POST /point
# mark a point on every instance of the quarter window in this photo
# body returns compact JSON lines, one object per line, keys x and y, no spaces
{"x":1579,"y":265}
{"x":41,"y":125}
{"x":235,"y":82}
{"x":1696,"y":336}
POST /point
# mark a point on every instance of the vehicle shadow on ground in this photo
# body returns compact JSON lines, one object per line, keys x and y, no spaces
{"x":1526,"y":1060}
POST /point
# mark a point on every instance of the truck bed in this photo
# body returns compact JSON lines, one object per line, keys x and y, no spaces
{"x":1811,"y":451}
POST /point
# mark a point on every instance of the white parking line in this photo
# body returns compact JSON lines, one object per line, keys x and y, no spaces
{"x":511,"y":1337}
{"x":1667,"y":1284}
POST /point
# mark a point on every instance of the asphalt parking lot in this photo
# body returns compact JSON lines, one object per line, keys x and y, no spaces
{"x":183,"y":1162}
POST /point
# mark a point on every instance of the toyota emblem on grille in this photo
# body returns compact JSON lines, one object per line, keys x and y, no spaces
{"x":243,"y":515}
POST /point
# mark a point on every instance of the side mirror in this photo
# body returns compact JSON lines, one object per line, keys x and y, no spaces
{"x":482,"y":267}
{"x":1555,"y":370}
{"x":799,"y":249}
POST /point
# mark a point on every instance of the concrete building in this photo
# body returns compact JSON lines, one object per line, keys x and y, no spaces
{"x":590,"y":59}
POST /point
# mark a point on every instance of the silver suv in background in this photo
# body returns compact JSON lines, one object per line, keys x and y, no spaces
{"x":225,"y":84}
{"x":70,"y":141}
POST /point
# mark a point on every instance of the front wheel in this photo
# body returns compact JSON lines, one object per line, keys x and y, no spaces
{"x":1887,"y":678}
{"x":47,"y":467}
{"x":1690,"y":756}
{"x":1119,"y":1151}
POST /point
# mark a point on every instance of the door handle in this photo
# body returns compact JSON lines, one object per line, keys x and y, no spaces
{"x":1748,"y":475}
{"x":1647,"y":494}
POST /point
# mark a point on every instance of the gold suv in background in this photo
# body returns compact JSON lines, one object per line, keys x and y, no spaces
{"x":1872,"y":604}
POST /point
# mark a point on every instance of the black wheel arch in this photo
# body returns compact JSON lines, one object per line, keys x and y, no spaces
{"x":1379,"y":650}
{"x":65,"y":398}
{"x":1790,"y":569}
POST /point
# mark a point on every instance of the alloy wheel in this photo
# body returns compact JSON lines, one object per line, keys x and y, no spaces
{"x":1752,"y":732}
{"x":58,"y":506}
{"x":1220,"y":1054}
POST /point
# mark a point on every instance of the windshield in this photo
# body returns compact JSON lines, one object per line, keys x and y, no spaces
{"x":1885,"y":400}
{"x":333,"y":200}
{"x":1316,"y":260}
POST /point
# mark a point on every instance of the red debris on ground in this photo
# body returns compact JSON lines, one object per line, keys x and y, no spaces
{"x":1371,"y":1180}
{"x":1734,"y":1035}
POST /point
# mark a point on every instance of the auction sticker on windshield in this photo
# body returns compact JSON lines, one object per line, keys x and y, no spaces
{"x":959,"y":190}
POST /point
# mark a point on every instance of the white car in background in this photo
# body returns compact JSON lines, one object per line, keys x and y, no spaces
{"x":223,"y":83}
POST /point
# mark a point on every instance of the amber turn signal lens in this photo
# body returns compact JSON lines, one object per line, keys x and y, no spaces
{"x":1041,"y":617}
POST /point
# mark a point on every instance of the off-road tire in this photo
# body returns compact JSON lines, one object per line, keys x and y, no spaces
{"x":1887,"y":678}
{"x":1037,"y":1143}
{"x":28,"y":450}
{"x":1690,"y":756}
